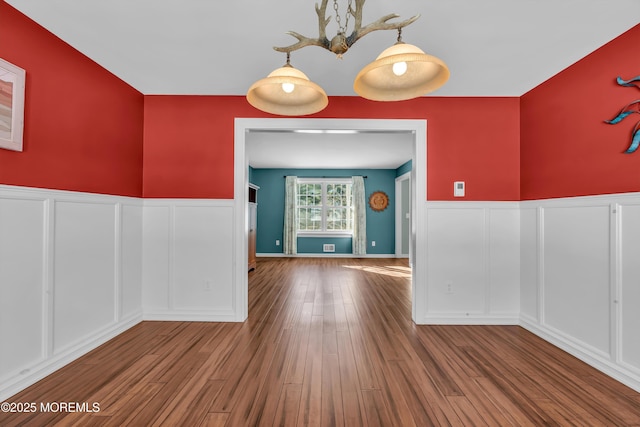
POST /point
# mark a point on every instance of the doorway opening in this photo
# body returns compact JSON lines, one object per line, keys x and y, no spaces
{"x":417,"y":128}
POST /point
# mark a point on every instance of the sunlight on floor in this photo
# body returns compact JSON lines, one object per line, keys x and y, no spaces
{"x":391,"y":270}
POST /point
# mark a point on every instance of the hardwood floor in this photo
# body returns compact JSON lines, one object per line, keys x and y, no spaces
{"x":329,"y":343}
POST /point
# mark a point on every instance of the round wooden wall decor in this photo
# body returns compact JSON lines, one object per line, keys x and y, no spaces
{"x":378,"y":201}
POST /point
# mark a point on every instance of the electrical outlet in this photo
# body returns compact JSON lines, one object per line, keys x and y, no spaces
{"x":449,"y":288}
{"x":207,"y":285}
{"x":277,"y":242}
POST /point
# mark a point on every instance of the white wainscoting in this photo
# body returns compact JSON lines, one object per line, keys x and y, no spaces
{"x":70,"y":278}
{"x":580,"y":279}
{"x":77,"y":269}
{"x":473,"y":263}
{"x":188,"y":260}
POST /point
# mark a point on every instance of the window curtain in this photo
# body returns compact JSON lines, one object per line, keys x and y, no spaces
{"x":290,"y":232}
{"x":359,"y":242}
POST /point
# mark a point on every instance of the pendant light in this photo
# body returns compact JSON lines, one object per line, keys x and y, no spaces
{"x":287,"y":91}
{"x":402,"y":71}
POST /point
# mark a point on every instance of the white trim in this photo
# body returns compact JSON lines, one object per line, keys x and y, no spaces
{"x":398,"y":214}
{"x":594,"y":200}
{"x":540,"y":263}
{"x":611,"y":361}
{"x":323,"y":255}
{"x":35,"y":373}
{"x":486,"y":253}
{"x":50,"y":357}
{"x":618,"y":371}
{"x":615,"y":281}
{"x":190,"y":315}
{"x":32,"y":193}
{"x":241,"y":220}
{"x":189,"y":203}
{"x":171,"y":253}
{"x":418,"y":246}
{"x":472,"y":205}
{"x":486,"y":314}
{"x":419,"y":192}
{"x":472,"y":319}
{"x":611,"y":365}
{"x":117,"y":257}
{"x":48,"y":253}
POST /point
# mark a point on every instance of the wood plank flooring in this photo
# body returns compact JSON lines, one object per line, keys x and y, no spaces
{"x":329,"y":342}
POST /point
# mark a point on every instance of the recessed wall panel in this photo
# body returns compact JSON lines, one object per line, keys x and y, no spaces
{"x":630,"y":285}
{"x":203,"y":267}
{"x":84,"y":270}
{"x":456,"y":261}
{"x":504,"y":261}
{"x":22,"y":243}
{"x":577,"y":273}
{"x":155,"y":258}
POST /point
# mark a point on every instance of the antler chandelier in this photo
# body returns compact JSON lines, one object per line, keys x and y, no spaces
{"x":400,"y":72}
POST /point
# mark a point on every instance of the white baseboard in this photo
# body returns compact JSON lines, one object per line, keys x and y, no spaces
{"x":463,"y":319}
{"x":578,"y":278}
{"x":324,"y":255}
{"x":191,"y":316}
{"x":30,"y":376}
{"x":614,"y":370}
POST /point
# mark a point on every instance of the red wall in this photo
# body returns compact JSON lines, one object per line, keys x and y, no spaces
{"x":566,"y":148}
{"x":188,"y":143}
{"x":86,"y":130}
{"x":83,"y":126}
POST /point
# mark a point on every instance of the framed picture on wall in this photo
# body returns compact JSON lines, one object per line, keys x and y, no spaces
{"x":12,"y":81}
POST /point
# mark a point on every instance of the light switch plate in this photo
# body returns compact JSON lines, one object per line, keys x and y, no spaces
{"x":458,"y":189}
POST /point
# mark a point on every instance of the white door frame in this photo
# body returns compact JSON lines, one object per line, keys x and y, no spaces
{"x":399,"y":219}
{"x":418,"y":195}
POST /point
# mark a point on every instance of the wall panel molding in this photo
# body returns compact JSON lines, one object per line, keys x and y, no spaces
{"x":188,"y":265}
{"x":176,"y":259}
{"x":62,"y":280}
{"x":581,"y":274}
{"x":473,"y":263}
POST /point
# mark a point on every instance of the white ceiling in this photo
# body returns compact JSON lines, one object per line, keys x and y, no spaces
{"x":207,"y":47}
{"x":370,"y":150}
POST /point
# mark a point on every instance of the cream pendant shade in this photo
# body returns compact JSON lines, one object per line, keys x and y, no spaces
{"x":287,"y":92}
{"x":378,"y":80}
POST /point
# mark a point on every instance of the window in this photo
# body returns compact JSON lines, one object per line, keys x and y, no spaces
{"x":324,"y":206}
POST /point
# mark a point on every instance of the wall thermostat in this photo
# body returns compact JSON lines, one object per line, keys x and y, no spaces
{"x":458,"y":189}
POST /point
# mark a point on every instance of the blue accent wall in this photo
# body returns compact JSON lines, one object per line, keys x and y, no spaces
{"x":404,"y":168}
{"x":380,"y":225}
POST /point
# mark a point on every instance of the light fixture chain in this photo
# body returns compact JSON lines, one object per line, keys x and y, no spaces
{"x":341,"y":29}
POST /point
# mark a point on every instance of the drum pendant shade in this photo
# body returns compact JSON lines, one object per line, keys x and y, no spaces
{"x":379,"y":82}
{"x":287,"y":92}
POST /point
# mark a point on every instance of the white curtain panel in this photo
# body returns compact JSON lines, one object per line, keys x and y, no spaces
{"x":290,"y":234}
{"x":359,"y":242}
